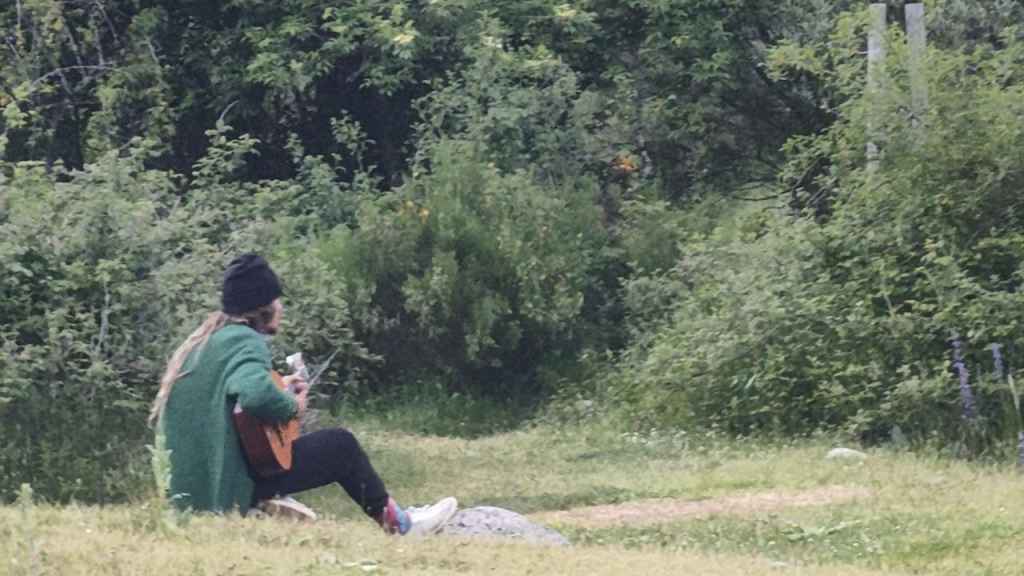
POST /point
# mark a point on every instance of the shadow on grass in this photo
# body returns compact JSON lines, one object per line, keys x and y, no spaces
{"x":429,"y":412}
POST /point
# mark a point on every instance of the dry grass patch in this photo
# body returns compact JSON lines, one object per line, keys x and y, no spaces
{"x":659,"y":510}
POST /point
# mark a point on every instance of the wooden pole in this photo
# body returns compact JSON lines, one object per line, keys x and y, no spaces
{"x":876,"y":62}
{"x":917,"y":37}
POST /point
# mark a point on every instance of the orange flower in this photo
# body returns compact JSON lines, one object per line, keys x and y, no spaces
{"x":624,"y":164}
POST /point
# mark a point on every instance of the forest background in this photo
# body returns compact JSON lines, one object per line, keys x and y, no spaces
{"x":655,"y":213}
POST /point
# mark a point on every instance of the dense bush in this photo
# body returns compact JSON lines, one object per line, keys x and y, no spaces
{"x":104,"y":271}
{"x":475,"y":279}
{"x":787,"y":324}
{"x":84,"y":318}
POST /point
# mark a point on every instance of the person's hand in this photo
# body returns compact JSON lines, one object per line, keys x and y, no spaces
{"x":296,"y":383}
{"x":300,"y":387}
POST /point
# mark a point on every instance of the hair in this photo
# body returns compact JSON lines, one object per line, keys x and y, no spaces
{"x":258,"y":319}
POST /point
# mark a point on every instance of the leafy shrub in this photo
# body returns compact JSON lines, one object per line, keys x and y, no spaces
{"x":469,"y":277}
{"x":790,"y":325}
{"x":104,"y":271}
{"x":82,"y":322}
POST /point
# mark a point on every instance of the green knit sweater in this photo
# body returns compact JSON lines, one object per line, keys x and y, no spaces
{"x":208,"y":469}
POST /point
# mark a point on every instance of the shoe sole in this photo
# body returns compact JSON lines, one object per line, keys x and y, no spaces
{"x":291,"y":510}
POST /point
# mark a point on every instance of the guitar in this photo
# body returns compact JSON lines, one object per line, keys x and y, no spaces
{"x":268,"y":447}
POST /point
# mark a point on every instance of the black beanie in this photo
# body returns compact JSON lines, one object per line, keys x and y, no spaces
{"x":248,"y":284}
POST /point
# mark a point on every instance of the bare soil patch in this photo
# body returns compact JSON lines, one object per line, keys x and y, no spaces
{"x":661,"y":510}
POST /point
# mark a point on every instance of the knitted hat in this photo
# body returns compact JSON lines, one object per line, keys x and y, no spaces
{"x":248,"y":284}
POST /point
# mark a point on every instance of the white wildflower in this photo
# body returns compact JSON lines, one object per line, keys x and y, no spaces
{"x":492,"y":42}
{"x":404,"y":39}
{"x":565,"y":12}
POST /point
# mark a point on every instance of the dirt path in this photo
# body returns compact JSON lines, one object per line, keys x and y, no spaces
{"x":660,"y":510}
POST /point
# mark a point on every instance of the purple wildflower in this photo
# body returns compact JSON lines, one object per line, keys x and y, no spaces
{"x":966,"y":394}
{"x":997,"y":360}
{"x":1016,"y":406}
{"x":1020,"y":450}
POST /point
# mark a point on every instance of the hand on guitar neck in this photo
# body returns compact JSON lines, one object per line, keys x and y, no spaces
{"x":300,"y":387}
{"x":298,"y":381}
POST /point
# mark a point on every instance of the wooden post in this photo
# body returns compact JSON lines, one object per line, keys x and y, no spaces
{"x":917,"y":37}
{"x":876,"y":62}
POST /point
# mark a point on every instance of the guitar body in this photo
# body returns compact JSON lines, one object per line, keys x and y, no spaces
{"x":267,"y":447}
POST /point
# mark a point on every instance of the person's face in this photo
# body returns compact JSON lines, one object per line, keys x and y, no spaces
{"x":275,"y":320}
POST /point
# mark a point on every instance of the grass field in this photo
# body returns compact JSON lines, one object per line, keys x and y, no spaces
{"x":682,"y":505}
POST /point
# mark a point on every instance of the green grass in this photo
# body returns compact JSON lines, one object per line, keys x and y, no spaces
{"x":428,"y":410}
{"x":921,"y":515}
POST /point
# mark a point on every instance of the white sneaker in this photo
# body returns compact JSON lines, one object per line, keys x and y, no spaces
{"x":287,"y":507}
{"x":430,"y":519}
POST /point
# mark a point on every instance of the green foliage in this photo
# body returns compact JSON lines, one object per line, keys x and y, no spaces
{"x":78,"y":321}
{"x":742,"y":347}
{"x":467,"y":272}
{"x":63,"y":97}
{"x":956,"y":22}
{"x":782,"y":324}
{"x":679,"y":85}
{"x":105,"y":271}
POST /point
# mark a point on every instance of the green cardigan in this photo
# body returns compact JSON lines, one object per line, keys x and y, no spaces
{"x":208,"y":469}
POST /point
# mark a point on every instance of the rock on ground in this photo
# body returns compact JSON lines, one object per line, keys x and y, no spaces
{"x":489,"y":521}
{"x":845,"y":454}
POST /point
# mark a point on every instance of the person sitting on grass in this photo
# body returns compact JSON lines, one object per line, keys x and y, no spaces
{"x":227,"y":361}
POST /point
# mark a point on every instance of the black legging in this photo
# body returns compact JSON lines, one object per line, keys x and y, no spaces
{"x":323,"y":457}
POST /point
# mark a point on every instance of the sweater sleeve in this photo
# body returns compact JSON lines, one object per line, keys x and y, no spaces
{"x":248,"y":379}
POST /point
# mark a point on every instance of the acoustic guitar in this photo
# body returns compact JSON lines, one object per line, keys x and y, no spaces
{"x":267,"y":447}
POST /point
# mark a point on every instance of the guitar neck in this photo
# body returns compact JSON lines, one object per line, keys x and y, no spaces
{"x":298,"y":366}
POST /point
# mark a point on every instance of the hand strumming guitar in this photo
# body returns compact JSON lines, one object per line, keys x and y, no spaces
{"x":297,"y":384}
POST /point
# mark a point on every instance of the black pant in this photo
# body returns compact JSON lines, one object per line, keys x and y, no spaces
{"x":323,"y":457}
